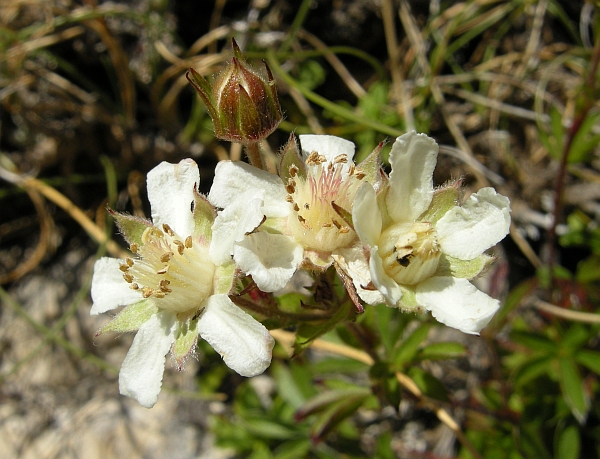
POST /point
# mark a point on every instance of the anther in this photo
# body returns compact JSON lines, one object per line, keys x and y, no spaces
{"x":296,"y":208}
{"x":188,"y":242}
{"x":166,"y":257}
{"x":289,"y":198}
{"x":128,"y":278}
{"x":293,"y":170}
{"x":147,"y":292}
{"x":129,"y":262}
{"x":167,"y":229}
{"x":134,"y":248}
{"x":340,"y":159}
{"x":124,"y":268}
{"x":180,"y":246}
{"x":134,"y":286}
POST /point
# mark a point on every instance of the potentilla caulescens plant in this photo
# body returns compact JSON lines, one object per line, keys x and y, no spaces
{"x":393,"y":240}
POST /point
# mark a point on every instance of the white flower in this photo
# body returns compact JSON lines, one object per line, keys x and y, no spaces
{"x":423,"y":246}
{"x":173,"y":290}
{"x":301,"y":214}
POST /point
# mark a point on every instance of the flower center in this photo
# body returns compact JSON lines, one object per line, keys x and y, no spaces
{"x":175,"y":272}
{"x":315,"y":222}
{"x":410,"y":252}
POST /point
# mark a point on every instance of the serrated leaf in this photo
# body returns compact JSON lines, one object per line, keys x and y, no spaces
{"x":407,"y":349}
{"x":130,"y":318}
{"x":589,"y":359}
{"x":131,"y":227}
{"x":572,"y":389}
{"x":441,"y":351}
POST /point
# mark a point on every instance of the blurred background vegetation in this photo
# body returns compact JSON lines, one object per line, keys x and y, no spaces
{"x":93,"y":95}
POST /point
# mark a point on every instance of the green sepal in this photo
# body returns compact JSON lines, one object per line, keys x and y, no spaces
{"x":224,"y":278}
{"x":443,"y":200}
{"x":204,"y":217}
{"x":131,"y":227}
{"x":131,"y":318}
{"x":408,"y":302}
{"x":290,"y":156}
{"x":371,"y":166}
{"x":204,"y":90}
{"x":307,"y":332}
{"x":185,"y":342}
{"x":464,"y":269}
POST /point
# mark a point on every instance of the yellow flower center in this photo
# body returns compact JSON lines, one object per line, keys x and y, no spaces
{"x":175,"y":272}
{"x":410,"y":252}
{"x":315,"y":222}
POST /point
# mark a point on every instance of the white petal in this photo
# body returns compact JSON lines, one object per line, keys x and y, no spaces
{"x":244,"y":343}
{"x":457,"y":303}
{"x":109,"y":289}
{"x":142,"y":370}
{"x":328,"y":146}
{"x":271,"y":259}
{"x":483,"y":220}
{"x":366,"y":215}
{"x":171,"y":193}
{"x":233,"y":179}
{"x":384,"y":283}
{"x":232,"y":223}
{"x":413,"y":158}
{"x":354,"y":262}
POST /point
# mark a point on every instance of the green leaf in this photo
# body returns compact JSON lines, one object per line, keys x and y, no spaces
{"x":534,"y":342}
{"x":130,"y":318}
{"x":308,"y":332}
{"x":263,"y":428}
{"x":429,"y":384}
{"x":575,"y":337}
{"x":569,"y":444}
{"x":131,"y":227}
{"x":588,"y":270}
{"x":441,"y":351}
{"x":324,"y":400}
{"x":589,"y":359}
{"x":583,"y":142}
{"x":336,"y":413}
{"x":293,"y":449}
{"x":407,"y":349}
{"x":532,"y":369}
{"x":293,"y":386}
{"x":572,"y":389}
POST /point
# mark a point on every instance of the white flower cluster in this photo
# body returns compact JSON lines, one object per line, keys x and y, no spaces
{"x":394,"y":240}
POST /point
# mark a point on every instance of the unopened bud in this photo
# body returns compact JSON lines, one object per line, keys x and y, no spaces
{"x":243,"y":105}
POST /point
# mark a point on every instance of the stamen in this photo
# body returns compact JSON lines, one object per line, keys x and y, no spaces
{"x":134,"y":248}
{"x":167,"y":229}
{"x":166,"y":257}
{"x":293,"y":170}
{"x":128,"y":278}
{"x":129,"y":262}
{"x":124,"y":268}
{"x":180,"y":246}
{"x":188,"y":242}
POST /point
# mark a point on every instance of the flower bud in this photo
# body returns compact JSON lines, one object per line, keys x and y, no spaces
{"x":243,"y":105}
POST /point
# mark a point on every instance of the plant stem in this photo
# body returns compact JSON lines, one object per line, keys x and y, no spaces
{"x":253,"y":152}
